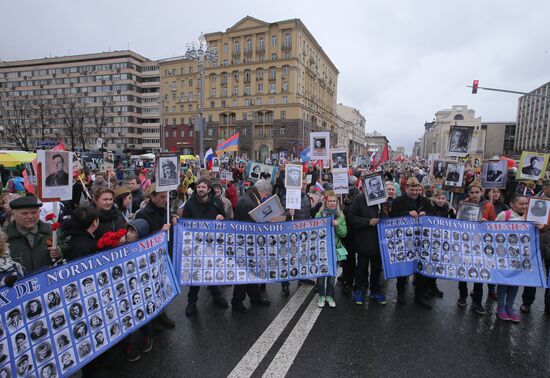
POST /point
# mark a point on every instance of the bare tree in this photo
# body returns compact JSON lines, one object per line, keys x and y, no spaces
{"x":17,"y":120}
{"x":101,"y":115}
{"x":43,"y":118}
{"x":74,"y":115}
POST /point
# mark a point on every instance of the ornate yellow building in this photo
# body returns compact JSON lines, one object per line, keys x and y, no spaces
{"x":272,"y":82}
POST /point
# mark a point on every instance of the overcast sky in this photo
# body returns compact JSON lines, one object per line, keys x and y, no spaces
{"x":400,"y":61}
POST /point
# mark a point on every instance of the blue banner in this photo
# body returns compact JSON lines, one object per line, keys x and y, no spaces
{"x":490,"y":252}
{"x":211,"y":252}
{"x":56,"y":321}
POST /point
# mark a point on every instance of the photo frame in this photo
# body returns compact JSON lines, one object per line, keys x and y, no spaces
{"x":268,"y":210}
{"x":216,"y":163}
{"x":532,"y":166}
{"x":167,"y":171}
{"x":538,"y":211}
{"x":56,"y":175}
{"x":438,"y":172}
{"x":469,"y":212}
{"x":108,"y":161}
{"x":293,"y":176}
{"x":460,"y":139}
{"x":494,"y":174}
{"x":374,"y":189}
{"x":255,"y":171}
{"x":340,"y":182}
{"x":339,"y":159}
{"x":454,"y":177}
{"x":362,"y":161}
{"x":319,"y":145}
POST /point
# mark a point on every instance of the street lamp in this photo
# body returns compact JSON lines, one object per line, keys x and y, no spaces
{"x":200,"y":52}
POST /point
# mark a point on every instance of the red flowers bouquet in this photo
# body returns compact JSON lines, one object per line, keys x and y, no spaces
{"x":111,"y":239}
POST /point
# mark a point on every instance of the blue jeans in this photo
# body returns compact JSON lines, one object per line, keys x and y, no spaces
{"x":325,"y":286}
{"x":506,"y":296}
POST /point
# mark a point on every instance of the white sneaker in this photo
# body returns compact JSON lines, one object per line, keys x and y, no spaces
{"x":331,"y":302}
{"x":321,"y":302}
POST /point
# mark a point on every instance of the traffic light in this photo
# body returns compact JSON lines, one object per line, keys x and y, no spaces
{"x":474,"y":86}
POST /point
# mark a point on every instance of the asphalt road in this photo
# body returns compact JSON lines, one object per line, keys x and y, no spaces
{"x":295,"y":338}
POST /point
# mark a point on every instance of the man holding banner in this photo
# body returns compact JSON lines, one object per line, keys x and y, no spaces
{"x":203,"y":204}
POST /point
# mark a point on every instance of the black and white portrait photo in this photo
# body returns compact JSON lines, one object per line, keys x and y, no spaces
{"x":437,"y":172}
{"x":469,"y":212}
{"x":455,"y":173}
{"x":494,"y":174}
{"x":255,"y":171}
{"x":374,"y":189}
{"x":339,"y":159}
{"x":532,"y":166}
{"x":460,"y":138}
{"x":319,"y":145}
{"x":293,"y":176}
{"x":56,"y":169}
{"x":538,"y":211}
{"x":167,"y":172}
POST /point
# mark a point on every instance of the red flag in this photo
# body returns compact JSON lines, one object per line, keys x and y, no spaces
{"x":59,"y":147}
{"x":385,"y":157}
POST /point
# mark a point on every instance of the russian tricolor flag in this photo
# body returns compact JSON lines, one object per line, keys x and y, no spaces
{"x":229,"y":145}
{"x":208,"y":156}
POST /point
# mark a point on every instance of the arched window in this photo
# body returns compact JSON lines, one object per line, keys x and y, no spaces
{"x":458,"y":117}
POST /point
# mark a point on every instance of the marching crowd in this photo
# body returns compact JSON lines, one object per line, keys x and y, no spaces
{"x":106,"y":203}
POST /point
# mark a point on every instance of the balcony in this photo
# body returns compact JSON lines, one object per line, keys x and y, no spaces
{"x":260,"y":50}
{"x":236,"y":54}
{"x":247,"y":52}
{"x":286,"y":46}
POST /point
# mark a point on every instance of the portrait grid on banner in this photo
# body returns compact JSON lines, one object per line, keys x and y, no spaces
{"x":57,"y":174}
{"x":532,"y":166}
{"x":319,"y":145}
{"x":293,"y":176}
{"x":340,"y":182}
{"x":374,"y":189}
{"x":538,"y":211}
{"x":167,"y":172}
{"x":57,"y":321}
{"x":460,"y":139}
{"x":233,"y":253}
{"x":494,"y":174}
{"x":339,"y":160}
{"x":293,"y":198}
{"x":487,"y":252}
{"x":255,"y":171}
{"x":454,"y":177}
{"x":438,"y":172}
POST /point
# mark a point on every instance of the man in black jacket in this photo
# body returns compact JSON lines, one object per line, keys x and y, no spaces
{"x":203,"y":204}
{"x":248,"y":201}
{"x":155,"y":215}
{"x":412,"y":203}
{"x":81,"y":227}
{"x":137,"y":193}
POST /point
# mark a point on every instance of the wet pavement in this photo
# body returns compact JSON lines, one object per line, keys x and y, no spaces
{"x":391,"y":340}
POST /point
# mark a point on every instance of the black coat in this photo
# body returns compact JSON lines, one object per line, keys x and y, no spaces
{"x":81,"y":244}
{"x":365,"y":236}
{"x":248,"y":201}
{"x":137,"y":199}
{"x":111,"y":220}
{"x":403,"y":205}
{"x":195,"y":209}
{"x":155,"y":216}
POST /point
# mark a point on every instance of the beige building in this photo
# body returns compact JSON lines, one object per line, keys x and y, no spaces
{"x":80,"y":99}
{"x":375,"y":142}
{"x":533,"y":121}
{"x":500,"y":137}
{"x":271,"y":82}
{"x":350,"y":133}
{"x":436,"y":133}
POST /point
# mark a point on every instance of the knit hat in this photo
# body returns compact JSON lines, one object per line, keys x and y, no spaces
{"x":141,"y":226}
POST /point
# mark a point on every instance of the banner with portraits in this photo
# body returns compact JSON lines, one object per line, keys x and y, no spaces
{"x":57,"y":321}
{"x":211,"y":252}
{"x":488,"y":252}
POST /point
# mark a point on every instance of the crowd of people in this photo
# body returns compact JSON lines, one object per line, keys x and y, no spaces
{"x":109,"y":202}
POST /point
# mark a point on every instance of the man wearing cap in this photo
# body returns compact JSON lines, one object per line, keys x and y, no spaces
{"x":203,"y":204}
{"x":413,"y":204}
{"x":29,"y":237}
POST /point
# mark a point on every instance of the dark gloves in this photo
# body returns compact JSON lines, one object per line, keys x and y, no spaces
{"x":10,"y":280}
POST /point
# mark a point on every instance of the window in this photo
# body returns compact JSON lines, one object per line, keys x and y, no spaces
{"x":271,"y":100}
{"x":248,"y":45}
{"x":225,"y":48}
{"x":285,"y":86}
{"x":191,"y":96}
{"x":247,"y":90}
{"x":237,"y":47}
{"x":284,"y":100}
{"x":224,"y":92}
{"x":182,"y":133}
{"x":286,"y":70}
{"x":210,"y":132}
{"x":286,"y":42}
{"x":260,"y":87}
{"x":259,"y":74}
{"x":247,"y":102}
{"x":273,"y":40}
{"x":282,"y":131}
{"x":261,"y":45}
{"x":283,"y":114}
{"x":274,"y":56}
{"x":272,"y":73}
{"x":191,"y":122}
{"x":191,"y":133}
{"x":223,"y":104}
{"x":212,"y":92}
{"x":190,"y":82}
{"x":259,"y":101}
{"x":235,"y":91}
{"x":212,"y":104}
{"x":245,"y":116}
{"x":272,"y":88}
{"x":174,"y":134}
{"x":235,"y":103}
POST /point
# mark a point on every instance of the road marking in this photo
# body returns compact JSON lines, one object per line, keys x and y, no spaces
{"x":248,"y":364}
{"x":285,"y":357}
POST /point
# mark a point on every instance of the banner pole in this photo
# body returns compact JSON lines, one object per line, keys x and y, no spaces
{"x":168,"y":212}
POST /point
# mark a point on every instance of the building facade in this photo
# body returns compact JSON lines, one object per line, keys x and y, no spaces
{"x":82,"y":100}
{"x":350,"y":132}
{"x":271,"y":82}
{"x":436,"y":133}
{"x":533,"y":121}
{"x":375,"y":142}
{"x":500,"y":138}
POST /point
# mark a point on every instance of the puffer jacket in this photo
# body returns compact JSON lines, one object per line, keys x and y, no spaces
{"x":365,"y":236}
